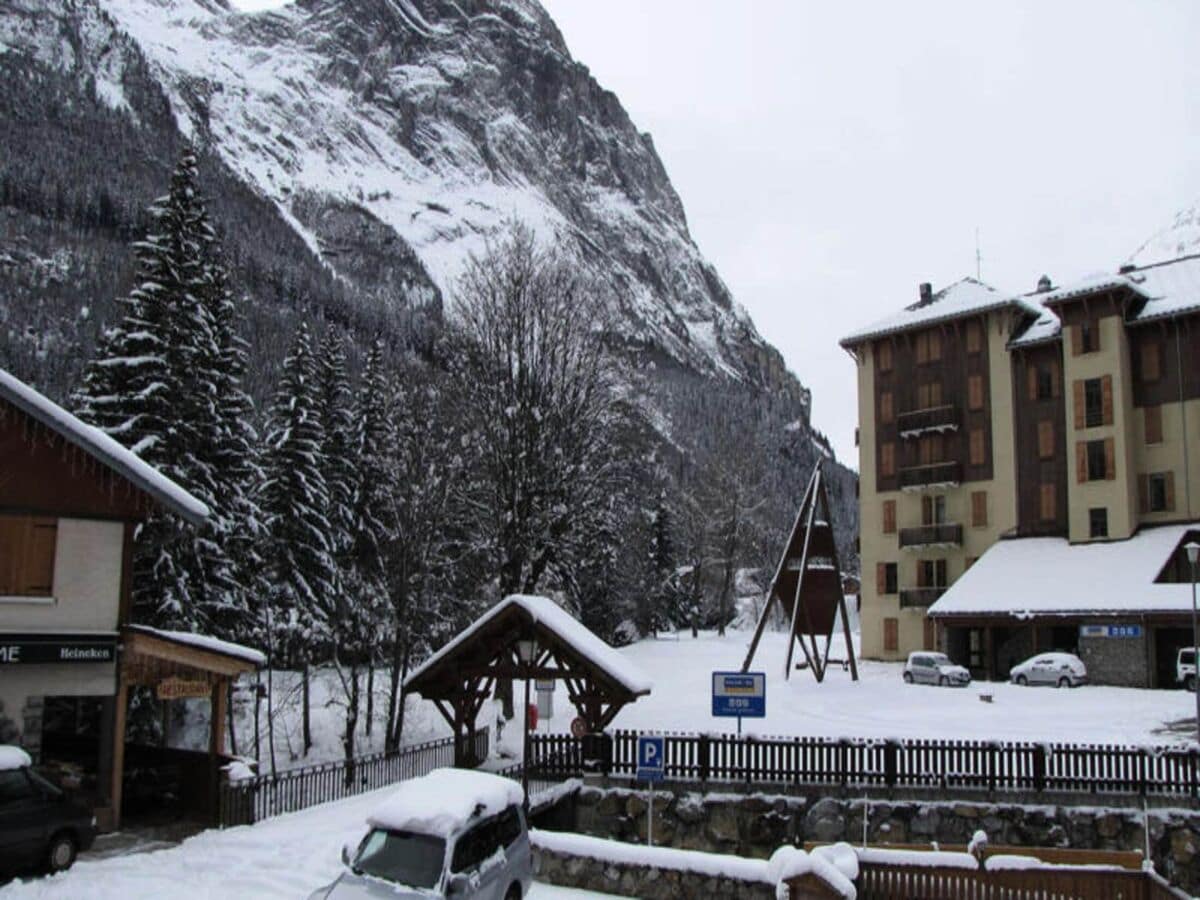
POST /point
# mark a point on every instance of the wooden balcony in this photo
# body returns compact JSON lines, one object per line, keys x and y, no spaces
{"x":943,"y":535}
{"x":934,"y":474}
{"x":919,"y":421}
{"x":912,"y":598}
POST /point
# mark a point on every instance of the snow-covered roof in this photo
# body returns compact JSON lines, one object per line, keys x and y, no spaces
{"x":444,"y":801}
{"x":1024,"y":577}
{"x":966,"y":297}
{"x":103,"y":448}
{"x":1091,"y":284}
{"x":204,"y":642}
{"x":1172,"y":287}
{"x":1047,"y":327}
{"x":548,"y":614}
{"x":13,"y":758}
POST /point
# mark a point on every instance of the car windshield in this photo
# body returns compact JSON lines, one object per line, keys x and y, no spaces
{"x":1187,"y":656}
{"x":939,"y":659}
{"x":402,"y":857}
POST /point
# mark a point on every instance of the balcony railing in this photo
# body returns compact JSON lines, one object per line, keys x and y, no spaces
{"x":930,"y":535}
{"x":926,"y":476}
{"x":920,"y":597}
{"x":935,"y":418}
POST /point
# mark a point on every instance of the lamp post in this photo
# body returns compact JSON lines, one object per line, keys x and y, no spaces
{"x":526,"y":648}
{"x":1193,"y":553}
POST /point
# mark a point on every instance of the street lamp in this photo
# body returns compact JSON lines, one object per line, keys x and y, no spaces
{"x":526,"y":649}
{"x":1193,"y":553}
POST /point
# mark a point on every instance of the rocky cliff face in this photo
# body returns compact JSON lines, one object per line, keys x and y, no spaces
{"x":356,"y":152}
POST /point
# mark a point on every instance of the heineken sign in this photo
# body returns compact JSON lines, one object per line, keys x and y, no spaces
{"x":43,"y":649}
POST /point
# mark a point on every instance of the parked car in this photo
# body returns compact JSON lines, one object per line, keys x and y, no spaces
{"x":451,"y":833}
{"x":934,"y":668}
{"x":40,"y":827}
{"x":1058,"y":669}
{"x":1185,"y":668}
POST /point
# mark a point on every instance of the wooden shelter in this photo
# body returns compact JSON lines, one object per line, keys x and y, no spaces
{"x":526,"y":638}
{"x":808,"y":586}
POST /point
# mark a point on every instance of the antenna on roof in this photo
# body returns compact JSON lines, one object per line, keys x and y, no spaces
{"x":978,"y":257}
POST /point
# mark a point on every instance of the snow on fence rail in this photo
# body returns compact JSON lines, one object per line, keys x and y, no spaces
{"x":941,"y":764}
{"x":248,"y":800}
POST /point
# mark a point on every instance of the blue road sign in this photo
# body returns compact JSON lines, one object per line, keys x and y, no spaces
{"x":651,"y":757}
{"x":740,"y":694}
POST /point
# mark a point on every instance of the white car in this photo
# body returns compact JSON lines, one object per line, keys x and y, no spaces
{"x":1058,"y":669}
{"x":1185,"y":668}
{"x":934,"y":668}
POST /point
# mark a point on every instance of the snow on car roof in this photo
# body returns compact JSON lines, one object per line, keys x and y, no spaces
{"x":1023,"y":577}
{"x":564,"y":626}
{"x":445,"y":801}
{"x":13,"y":758}
{"x":103,"y":448}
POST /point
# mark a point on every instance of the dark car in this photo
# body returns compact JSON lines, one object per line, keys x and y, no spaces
{"x":40,"y":827}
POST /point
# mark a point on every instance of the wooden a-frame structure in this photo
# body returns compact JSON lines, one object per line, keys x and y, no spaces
{"x":808,"y":586}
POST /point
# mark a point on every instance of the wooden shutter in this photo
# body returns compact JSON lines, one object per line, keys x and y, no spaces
{"x":886,"y":407}
{"x":1077,"y":390}
{"x":923,"y":579}
{"x":887,"y":463}
{"x":880,"y":578}
{"x":1076,"y":340}
{"x":978,"y":454}
{"x":1107,"y":391}
{"x":891,"y":634}
{"x":975,"y":391}
{"x":885,"y":357}
{"x":1143,"y":494}
{"x":39,"y":558}
{"x":979,"y":509}
{"x":1055,"y":378}
{"x":1151,"y":363}
{"x":935,"y":345}
{"x":1081,"y":468}
{"x":889,"y":516}
{"x":1110,"y":459}
{"x":974,"y":337}
{"x":1046,"y":439}
{"x":1154,"y":425}
{"x":1031,"y":381}
{"x":1048,"y":503}
{"x":1169,"y":477}
{"x":12,"y":551}
{"x":922,"y":349}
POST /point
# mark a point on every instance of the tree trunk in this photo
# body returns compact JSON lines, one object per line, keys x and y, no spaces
{"x":399,"y":734}
{"x":389,"y":738}
{"x":304,"y":695}
{"x":370,"y":692}
{"x":351,"y":725}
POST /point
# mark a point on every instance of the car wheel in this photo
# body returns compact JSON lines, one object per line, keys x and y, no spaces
{"x":514,"y":893}
{"x":1022,"y":680}
{"x":943,"y":681}
{"x":61,"y":855}
{"x":908,"y":679}
{"x":1190,"y":683}
{"x":1064,"y":682}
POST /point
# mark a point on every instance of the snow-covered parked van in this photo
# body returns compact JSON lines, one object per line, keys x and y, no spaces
{"x":451,"y":833}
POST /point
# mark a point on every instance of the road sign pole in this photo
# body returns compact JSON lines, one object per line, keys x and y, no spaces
{"x":650,"y":817}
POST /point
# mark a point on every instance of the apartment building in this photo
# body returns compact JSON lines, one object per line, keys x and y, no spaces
{"x":1000,"y":436}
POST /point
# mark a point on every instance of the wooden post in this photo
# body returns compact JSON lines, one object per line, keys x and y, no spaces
{"x":120,"y":708}
{"x":216,"y":732}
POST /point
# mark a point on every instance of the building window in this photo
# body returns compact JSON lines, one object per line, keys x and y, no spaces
{"x":1151,"y":361}
{"x":978,"y":452}
{"x":1160,"y":492}
{"x":891,"y":634}
{"x":979,"y":518}
{"x":974,"y":337}
{"x":929,"y":347}
{"x":929,"y":394}
{"x":931,"y":573}
{"x":1098,"y":522}
{"x":1046,"y":439}
{"x":1154,"y":433}
{"x":1093,"y":402}
{"x":1097,"y":467}
{"x":887,"y":409}
{"x":933,"y":510}
{"x":889,"y":516}
{"x":975,"y":392}
{"x":1045,"y":383}
{"x":931,"y":448}
{"x":27,"y":548}
{"x":883,"y":356}
{"x":1047,"y":502}
{"x":1089,"y":337}
{"x":886,"y":578}
{"x":887,"y":460}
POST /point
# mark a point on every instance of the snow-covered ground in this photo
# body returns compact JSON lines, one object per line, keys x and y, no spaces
{"x":880,"y":704}
{"x":285,"y":857}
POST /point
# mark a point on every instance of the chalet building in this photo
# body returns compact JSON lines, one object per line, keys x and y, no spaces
{"x":1001,"y":439}
{"x":70,"y":500}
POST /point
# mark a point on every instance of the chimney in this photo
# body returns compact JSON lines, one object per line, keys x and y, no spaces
{"x":1044,"y":284}
{"x":1126,"y":269}
{"x":926,"y":293}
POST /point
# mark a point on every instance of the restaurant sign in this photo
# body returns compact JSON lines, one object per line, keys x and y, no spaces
{"x":181,"y":689}
{"x":43,"y":649}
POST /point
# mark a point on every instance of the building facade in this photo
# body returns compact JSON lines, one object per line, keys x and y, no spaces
{"x":1068,"y":412}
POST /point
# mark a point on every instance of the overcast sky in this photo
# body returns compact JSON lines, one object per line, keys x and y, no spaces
{"x":831,"y":156}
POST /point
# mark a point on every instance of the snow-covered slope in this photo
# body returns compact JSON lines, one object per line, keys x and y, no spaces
{"x":1180,"y":238}
{"x":434,"y":119}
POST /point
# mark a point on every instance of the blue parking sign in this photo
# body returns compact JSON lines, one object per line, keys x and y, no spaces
{"x":651,"y":757}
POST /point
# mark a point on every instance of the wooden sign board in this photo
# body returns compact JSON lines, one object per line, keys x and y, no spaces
{"x":181,"y":689}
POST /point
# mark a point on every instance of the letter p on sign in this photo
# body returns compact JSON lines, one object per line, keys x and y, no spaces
{"x":650,"y":758}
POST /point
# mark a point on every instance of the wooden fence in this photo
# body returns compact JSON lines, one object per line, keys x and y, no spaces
{"x":249,"y":800}
{"x":991,"y":766}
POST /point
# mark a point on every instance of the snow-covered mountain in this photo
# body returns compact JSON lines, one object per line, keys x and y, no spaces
{"x":1180,"y":238}
{"x":430,"y":120}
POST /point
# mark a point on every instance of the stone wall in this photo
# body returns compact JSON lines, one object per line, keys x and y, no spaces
{"x":1111,"y":660}
{"x":645,"y":882}
{"x":754,"y":825}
